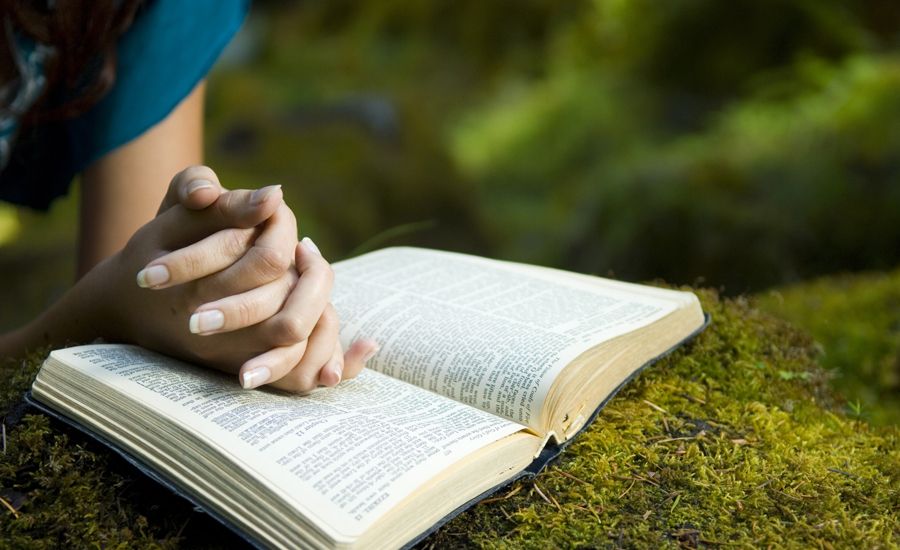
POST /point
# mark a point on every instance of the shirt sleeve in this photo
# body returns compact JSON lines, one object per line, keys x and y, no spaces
{"x":168,"y":50}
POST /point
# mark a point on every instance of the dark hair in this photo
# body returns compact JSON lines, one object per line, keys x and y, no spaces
{"x":83,"y":35}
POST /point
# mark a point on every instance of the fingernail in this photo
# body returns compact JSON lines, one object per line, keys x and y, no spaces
{"x":338,"y":369}
{"x":260,"y":195}
{"x":255,"y":378}
{"x":197,"y":185}
{"x":206,"y":321}
{"x":152,"y":276}
{"x":310,"y":245}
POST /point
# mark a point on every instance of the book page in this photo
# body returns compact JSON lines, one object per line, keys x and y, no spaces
{"x":342,"y":456}
{"x":490,"y":334}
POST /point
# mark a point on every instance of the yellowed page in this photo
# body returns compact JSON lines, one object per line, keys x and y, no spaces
{"x":490,"y":334}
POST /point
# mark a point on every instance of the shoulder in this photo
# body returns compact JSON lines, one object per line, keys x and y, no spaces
{"x":183,"y":29}
{"x":168,"y":50}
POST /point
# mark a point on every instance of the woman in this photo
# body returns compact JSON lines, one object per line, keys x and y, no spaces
{"x":113,"y":90}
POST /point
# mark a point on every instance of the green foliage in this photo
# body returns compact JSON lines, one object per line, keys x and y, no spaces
{"x":774,"y":189}
{"x":746,"y":143}
{"x":482,"y":38}
{"x":856,"y":320}
{"x":712,"y":445}
{"x":353,"y":165}
{"x":714,"y":50}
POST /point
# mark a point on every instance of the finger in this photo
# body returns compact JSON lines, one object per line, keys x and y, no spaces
{"x":178,"y":227}
{"x":242,"y":310}
{"x":315,"y":368}
{"x":195,"y":188}
{"x":269,"y":257}
{"x":358,"y":354}
{"x":333,"y":372}
{"x":205,"y":257}
{"x":293,"y":368}
{"x":306,"y":303}
{"x":271,"y":365}
{"x":247,"y":208}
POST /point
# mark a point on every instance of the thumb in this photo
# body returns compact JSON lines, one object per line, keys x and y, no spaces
{"x":194,"y":188}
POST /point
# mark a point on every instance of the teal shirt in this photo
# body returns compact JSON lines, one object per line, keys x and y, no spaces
{"x":168,"y":50}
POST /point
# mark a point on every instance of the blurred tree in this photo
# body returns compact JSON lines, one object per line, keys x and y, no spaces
{"x":748,"y":142}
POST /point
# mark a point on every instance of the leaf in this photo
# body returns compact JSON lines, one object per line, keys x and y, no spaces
{"x":792,"y":375}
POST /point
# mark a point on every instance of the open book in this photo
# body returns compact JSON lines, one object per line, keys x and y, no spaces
{"x":486,"y":370}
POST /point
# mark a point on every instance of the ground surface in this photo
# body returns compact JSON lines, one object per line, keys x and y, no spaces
{"x":736,"y":439}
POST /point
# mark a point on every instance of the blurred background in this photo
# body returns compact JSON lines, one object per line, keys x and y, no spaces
{"x":750,"y":145}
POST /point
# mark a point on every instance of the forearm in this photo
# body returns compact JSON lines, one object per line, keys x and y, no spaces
{"x":79,"y":316}
{"x":281,"y":323}
{"x":121,"y":191}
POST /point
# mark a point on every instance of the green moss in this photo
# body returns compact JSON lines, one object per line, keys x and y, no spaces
{"x":856,"y":320}
{"x":714,"y":444}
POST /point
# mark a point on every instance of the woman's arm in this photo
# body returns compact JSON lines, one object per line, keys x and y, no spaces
{"x":108,"y":301}
{"x":293,"y":345}
{"x":122,"y":191}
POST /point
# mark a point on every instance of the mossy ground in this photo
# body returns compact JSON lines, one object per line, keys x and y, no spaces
{"x":736,"y":439}
{"x":856,"y":320}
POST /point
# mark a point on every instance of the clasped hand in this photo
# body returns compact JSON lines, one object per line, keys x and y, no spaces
{"x":222,"y":281}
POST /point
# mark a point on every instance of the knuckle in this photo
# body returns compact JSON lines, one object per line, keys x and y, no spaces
{"x":230,"y":206}
{"x":190,"y":264}
{"x":308,"y":379}
{"x":245,"y":313}
{"x":300,"y":381}
{"x":289,"y":280}
{"x":289,"y":329}
{"x":236,"y":242}
{"x":329,"y":318}
{"x":326,"y":272}
{"x":270,"y":261}
{"x":224,"y":206}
